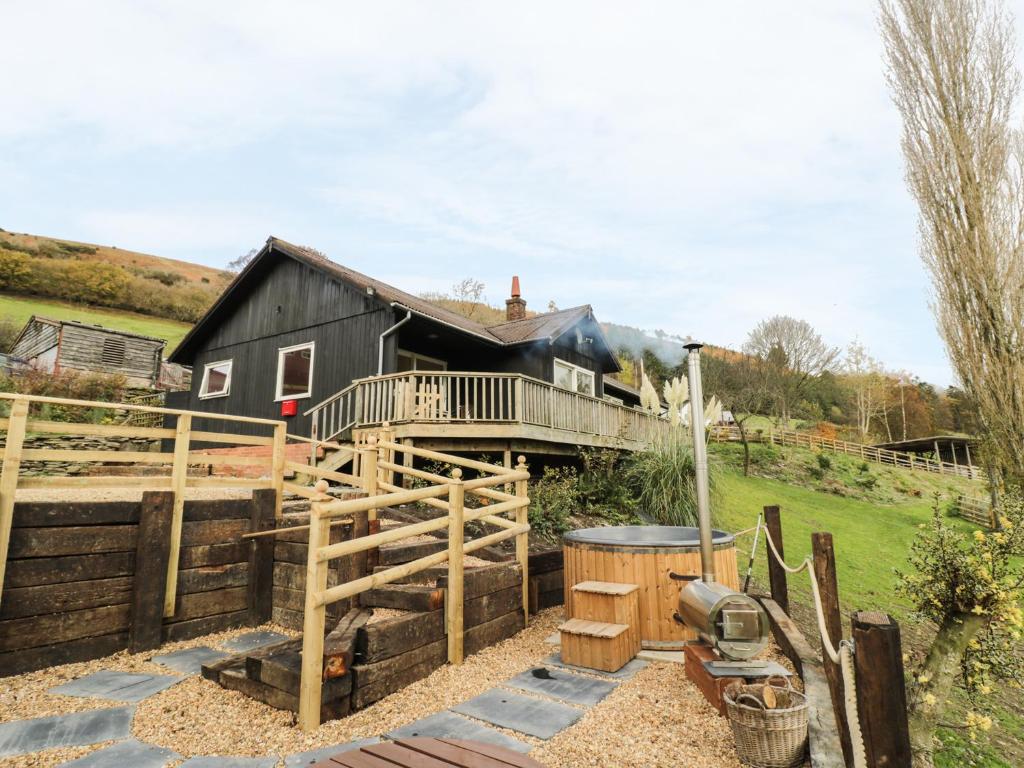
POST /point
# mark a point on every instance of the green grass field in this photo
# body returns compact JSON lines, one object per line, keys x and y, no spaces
{"x":18,"y":309}
{"x":872,"y":539}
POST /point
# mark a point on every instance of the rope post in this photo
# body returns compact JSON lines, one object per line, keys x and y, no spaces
{"x":828,"y":585}
{"x":453,"y":600}
{"x":881,"y":689}
{"x":776,"y":573}
{"x":314,"y":621}
{"x":523,"y":539}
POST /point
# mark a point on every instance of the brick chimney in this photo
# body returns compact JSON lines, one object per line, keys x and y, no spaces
{"x":515,"y":308}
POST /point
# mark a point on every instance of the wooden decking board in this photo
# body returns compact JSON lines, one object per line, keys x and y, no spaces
{"x":423,"y":752}
{"x":593,"y":628}
{"x":605,"y":587}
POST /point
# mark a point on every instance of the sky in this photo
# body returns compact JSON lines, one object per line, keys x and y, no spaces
{"x":694,"y":167}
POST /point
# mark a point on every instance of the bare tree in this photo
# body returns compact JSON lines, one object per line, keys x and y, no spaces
{"x":790,"y":352}
{"x":863,"y":374}
{"x":744,"y":390}
{"x":954,"y":81}
{"x":953,"y":78}
{"x":237,"y":265}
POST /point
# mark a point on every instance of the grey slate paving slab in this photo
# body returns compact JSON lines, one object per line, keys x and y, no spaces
{"x":626,"y":673}
{"x":119,"y":686}
{"x":213,"y":761}
{"x":82,"y":728}
{"x":562,"y":684}
{"x":525,"y":714}
{"x":247,"y":641}
{"x":448,"y":725}
{"x":304,"y":759}
{"x":190,"y":660}
{"x":126,"y":754}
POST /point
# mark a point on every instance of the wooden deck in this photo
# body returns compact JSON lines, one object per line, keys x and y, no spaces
{"x":482,"y":411}
{"x":430,"y":753}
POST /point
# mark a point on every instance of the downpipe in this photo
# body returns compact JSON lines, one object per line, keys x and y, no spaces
{"x":384,"y":336}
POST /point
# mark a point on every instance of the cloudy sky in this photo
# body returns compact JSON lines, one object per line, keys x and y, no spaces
{"x":694,"y":167}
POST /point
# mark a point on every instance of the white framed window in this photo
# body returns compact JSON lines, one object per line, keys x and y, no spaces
{"x":294,"y":372}
{"x":574,"y":378}
{"x":216,"y":380}
{"x":413,"y":361}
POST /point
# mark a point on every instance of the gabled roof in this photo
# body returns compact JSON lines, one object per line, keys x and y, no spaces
{"x":544,"y":327}
{"x":77,"y":324}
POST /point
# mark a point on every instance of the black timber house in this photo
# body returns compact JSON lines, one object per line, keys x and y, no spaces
{"x":298,"y":336}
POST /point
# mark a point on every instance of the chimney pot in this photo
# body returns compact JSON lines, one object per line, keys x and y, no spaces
{"x":515,"y":307}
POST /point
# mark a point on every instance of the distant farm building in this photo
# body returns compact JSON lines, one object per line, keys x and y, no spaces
{"x":67,"y":345}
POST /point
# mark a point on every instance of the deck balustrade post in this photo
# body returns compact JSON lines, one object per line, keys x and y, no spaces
{"x":454,"y":597}
{"x":280,"y":456}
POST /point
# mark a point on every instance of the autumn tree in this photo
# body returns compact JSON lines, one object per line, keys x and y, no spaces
{"x":790,"y":352}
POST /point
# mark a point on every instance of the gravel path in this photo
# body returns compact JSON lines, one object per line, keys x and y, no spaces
{"x":656,"y":719}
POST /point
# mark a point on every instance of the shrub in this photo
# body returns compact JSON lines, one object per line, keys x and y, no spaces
{"x":9,"y":331}
{"x":554,"y":498}
{"x":824,"y":461}
{"x":868,"y":482}
{"x":663,"y":480}
{"x":15,"y":271}
{"x":816,"y":472}
{"x":604,"y":489}
{"x":864,"y":467}
{"x":73,"y":386}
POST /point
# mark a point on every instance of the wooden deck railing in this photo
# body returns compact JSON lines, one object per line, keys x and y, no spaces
{"x":20,"y":422}
{"x":976,"y":510}
{"x":721,"y":434}
{"x":469,"y":398}
{"x":379,"y":467}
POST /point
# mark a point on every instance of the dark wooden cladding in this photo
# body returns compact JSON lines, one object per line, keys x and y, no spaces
{"x":290,"y":304}
{"x":86,"y":579}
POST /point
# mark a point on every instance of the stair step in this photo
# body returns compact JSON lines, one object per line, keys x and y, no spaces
{"x":605,"y":588}
{"x":592,"y":628}
{"x":405,"y":597}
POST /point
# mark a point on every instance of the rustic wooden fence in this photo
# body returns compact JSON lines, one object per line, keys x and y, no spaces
{"x":22,"y":419}
{"x":722,"y":434}
{"x":380,"y":466}
{"x":976,"y":510}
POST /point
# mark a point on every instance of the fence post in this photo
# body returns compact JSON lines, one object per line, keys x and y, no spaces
{"x":881,"y":689}
{"x":368,"y":467}
{"x":277,"y":468}
{"x":314,"y":621}
{"x":9,"y":478}
{"x":261,"y":557}
{"x":522,"y":540}
{"x":152,"y":552}
{"x":828,"y":586}
{"x":453,"y":601}
{"x":179,"y":477}
{"x":776,"y":573}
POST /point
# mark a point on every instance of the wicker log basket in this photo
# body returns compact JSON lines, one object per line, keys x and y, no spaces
{"x":769,"y":724}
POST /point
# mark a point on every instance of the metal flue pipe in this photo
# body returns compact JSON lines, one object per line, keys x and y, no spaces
{"x":700,"y":462}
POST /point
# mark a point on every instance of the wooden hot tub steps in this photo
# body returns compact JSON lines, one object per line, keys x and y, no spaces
{"x":617,"y":603}
{"x":596,"y":644}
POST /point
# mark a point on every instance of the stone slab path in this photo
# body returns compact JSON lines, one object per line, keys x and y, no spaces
{"x":190,"y":660}
{"x":118,"y":686}
{"x":76,"y":730}
{"x":126,"y":754}
{"x":539,"y":702}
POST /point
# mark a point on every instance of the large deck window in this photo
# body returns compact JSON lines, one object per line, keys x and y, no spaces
{"x":574,"y":378}
{"x":412,"y":361}
{"x":295,"y":372}
{"x":216,"y":380}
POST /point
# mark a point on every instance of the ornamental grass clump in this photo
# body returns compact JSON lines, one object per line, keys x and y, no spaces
{"x":663,"y":480}
{"x":969,"y":585}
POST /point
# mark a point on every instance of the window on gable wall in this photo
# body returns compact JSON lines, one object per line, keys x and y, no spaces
{"x":295,"y":372}
{"x":216,"y":380}
{"x":574,"y":378}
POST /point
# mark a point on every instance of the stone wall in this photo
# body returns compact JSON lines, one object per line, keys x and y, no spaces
{"x":78,"y":443}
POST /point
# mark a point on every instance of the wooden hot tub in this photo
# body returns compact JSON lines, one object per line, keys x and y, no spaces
{"x":645,"y":555}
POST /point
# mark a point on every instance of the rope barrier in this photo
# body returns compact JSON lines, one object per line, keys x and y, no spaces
{"x":843,"y":656}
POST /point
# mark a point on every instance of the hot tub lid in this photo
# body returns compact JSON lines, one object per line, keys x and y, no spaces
{"x":645,"y":536}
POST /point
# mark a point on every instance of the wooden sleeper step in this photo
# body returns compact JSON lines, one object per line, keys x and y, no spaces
{"x":593,"y":628}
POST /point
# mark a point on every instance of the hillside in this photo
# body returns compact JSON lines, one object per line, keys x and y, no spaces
{"x":872,"y":530}
{"x":106,"y":276}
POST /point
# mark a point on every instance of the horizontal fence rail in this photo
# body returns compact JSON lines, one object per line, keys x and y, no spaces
{"x":379,"y":467}
{"x":977,"y":511}
{"x":722,"y":434}
{"x":469,"y":398}
{"x":22,"y":421}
